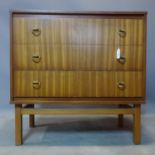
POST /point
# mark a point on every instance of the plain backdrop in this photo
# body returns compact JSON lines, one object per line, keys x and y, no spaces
{"x":72,"y":5}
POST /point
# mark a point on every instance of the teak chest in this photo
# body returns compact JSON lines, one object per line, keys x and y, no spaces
{"x":78,"y":58}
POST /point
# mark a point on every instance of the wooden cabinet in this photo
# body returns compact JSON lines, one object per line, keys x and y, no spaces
{"x":78,"y":58}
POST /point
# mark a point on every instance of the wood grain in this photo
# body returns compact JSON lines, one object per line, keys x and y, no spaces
{"x":79,"y":100}
{"x":137,"y":124}
{"x":77,"y":57}
{"x":70,"y":58}
{"x":73,"y":30}
{"x":18,"y":124}
{"x":32,"y":118}
{"x":77,"y":84}
{"x":84,"y":112}
{"x":78,"y":44}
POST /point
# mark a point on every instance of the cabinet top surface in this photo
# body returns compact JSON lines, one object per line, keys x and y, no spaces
{"x":101,"y":13}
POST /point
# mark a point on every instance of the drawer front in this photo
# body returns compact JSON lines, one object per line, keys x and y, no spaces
{"x":77,"y":30}
{"x":77,"y":84}
{"x":130,"y":31}
{"x":74,"y":57}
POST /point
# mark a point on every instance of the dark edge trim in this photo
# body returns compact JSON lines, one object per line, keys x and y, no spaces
{"x":145,"y":56}
{"x":60,"y":12}
{"x":11,"y":57}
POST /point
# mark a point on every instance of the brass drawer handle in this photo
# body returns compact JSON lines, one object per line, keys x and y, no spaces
{"x":122,"y":33}
{"x":122,"y":59}
{"x":36,"y":32}
{"x":121,"y":85}
{"x":36,"y":84}
{"x":36,"y":58}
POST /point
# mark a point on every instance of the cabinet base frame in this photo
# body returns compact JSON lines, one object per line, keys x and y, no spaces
{"x":121,"y":110}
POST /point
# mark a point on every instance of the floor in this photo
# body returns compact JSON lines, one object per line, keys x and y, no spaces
{"x":78,"y":135}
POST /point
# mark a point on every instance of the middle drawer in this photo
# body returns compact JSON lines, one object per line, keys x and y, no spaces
{"x":77,"y":57}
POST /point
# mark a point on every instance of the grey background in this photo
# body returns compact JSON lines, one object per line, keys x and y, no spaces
{"x":91,"y":5}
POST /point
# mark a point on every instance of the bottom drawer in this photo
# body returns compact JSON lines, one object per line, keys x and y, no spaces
{"x":77,"y":84}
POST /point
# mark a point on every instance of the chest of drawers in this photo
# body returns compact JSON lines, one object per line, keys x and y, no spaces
{"x":78,"y":58}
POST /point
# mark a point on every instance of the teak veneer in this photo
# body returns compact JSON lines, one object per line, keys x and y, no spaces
{"x":78,"y":58}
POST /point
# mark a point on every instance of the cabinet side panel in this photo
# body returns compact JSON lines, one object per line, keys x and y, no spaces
{"x":11,"y":57}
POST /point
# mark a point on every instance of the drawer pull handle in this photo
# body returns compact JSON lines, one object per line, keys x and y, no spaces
{"x":36,"y":84}
{"x":36,"y":32}
{"x":122,"y":33}
{"x":120,"y":58}
{"x":121,"y":85}
{"x":36,"y":58}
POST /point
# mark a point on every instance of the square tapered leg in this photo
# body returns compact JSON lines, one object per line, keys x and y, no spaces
{"x":137,"y":124}
{"x":120,"y":119}
{"x":18,"y":124}
{"x":32,"y":119}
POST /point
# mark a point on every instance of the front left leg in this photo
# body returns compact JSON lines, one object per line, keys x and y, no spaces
{"x":18,"y":125}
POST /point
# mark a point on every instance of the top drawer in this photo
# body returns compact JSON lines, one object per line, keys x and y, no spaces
{"x":56,"y":29}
